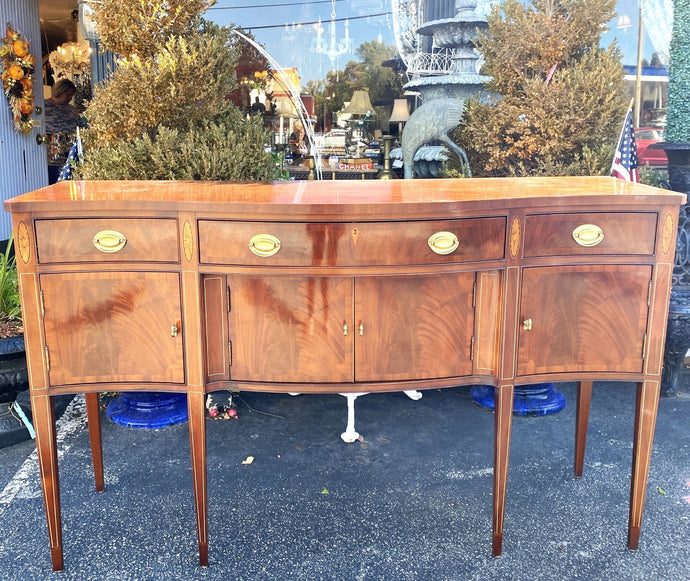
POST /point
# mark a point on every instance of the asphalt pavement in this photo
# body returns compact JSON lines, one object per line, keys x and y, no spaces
{"x":411,"y":501}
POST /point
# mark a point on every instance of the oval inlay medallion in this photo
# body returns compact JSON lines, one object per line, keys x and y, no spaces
{"x":187,"y":240}
{"x":23,"y":242}
{"x":667,"y":234}
{"x":515,"y":237}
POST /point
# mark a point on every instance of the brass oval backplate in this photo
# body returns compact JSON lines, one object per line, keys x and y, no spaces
{"x":588,"y":235}
{"x":443,"y":242}
{"x":109,"y":241}
{"x":264,"y":245}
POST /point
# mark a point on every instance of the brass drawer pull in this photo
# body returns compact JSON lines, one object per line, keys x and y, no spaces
{"x":443,"y":242}
{"x":264,"y":245}
{"x":588,"y":235}
{"x":109,"y":241}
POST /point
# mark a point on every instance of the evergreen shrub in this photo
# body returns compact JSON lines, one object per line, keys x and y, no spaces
{"x":678,"y":104}
{"x":225,"y":147}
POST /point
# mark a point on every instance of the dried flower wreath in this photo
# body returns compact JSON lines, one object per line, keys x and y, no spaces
{"x":17,"y":69}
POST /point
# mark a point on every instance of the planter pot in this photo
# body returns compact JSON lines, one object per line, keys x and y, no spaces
{"x":678,"y":155}
{"x":540,"y":399}
{"x":678,"y":329}
{"x":14,"y":380}
{"x":148,"y":410}
{"x":13,"y":374}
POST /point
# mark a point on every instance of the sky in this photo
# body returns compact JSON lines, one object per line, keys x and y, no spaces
{"x":657,"y":24}
{"x":277,"y":25}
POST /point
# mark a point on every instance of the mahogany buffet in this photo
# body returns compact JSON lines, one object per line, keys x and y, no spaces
{"x":332,"y":287}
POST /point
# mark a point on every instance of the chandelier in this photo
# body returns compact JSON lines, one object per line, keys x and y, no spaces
{"x":334,"y":48}
{"x":73,"y":58}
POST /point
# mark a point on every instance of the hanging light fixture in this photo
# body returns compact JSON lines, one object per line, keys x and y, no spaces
{"x":71,"y":58}
{"x":335,"y":48}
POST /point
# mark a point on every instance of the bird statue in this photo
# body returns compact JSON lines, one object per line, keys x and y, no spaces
{"x":433,"y":120}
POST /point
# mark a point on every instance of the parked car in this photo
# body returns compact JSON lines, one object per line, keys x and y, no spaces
{"x":644,"y":137}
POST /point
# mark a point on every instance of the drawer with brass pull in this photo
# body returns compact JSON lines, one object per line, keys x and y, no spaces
{"x":273,"y":243}
{"x":104,"y":240}
{"x":352,"y":244}
{"x":590,"y":233}
{"x":430,"y":242}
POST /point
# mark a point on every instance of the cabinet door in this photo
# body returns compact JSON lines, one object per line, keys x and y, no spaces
{"x":113,"y":327}
{"x":290,"y":329}
{"x":413,"y":327}
{"x":583,"y":318}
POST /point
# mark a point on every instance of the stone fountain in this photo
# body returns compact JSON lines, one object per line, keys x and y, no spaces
{"x":458,"y":34}
{"x":444,"y":96}
{"x":442,"y":109}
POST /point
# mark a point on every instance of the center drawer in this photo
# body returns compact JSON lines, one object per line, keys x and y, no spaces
{"x":351,"y":244}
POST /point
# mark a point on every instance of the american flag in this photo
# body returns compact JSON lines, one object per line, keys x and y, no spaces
{"x":625,"y":161}
{"x":74,"y":157}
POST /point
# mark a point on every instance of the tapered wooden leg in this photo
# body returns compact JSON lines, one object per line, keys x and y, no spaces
{"x":584,"y":397}
{"x":93,"y":416}
{"x":197,"y":437}
{"x":645,"y":420}
{"x":503,"y":420}
{"x":43,"y":410}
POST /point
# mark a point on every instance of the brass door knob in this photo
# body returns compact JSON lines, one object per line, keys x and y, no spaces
{"x":174,"y":330}
{"x":527,"y":325}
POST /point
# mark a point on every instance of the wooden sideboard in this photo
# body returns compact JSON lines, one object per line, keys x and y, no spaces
{"x":331,"y":287}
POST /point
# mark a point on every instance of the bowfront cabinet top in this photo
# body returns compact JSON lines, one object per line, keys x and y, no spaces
{"x":344,"y":287}
{"x":324,"y":199}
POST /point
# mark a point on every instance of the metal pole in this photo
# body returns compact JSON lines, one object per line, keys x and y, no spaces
{"x":638,"y":74}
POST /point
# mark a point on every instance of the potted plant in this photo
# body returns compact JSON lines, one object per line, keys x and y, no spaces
{"x":677,"y":132}
{"x":677,"y":148}
{"x":13,"y":372}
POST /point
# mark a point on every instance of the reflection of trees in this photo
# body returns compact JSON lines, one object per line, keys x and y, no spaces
{"x":383,"y":83}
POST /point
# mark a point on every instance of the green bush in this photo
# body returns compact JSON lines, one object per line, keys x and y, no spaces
{"x":225,"y":147}
{"x":678,"y":112}
{"x":555,"y":99}
{"x":653,"y":176}
{"x":164,"y":112}
{"x":10,"y":310}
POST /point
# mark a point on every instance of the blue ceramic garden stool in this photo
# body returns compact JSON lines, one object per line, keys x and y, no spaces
{"x":149,"y":410}
{"x":539,"y":399}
